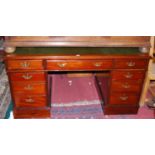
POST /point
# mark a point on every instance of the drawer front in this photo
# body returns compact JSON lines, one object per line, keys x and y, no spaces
{"x":29,"y":88}
{"x":112,"y":109}
{"x":79,"y":65}
{"x":25,"y":64}
{"x":32,"y":113}
{"x":126,"y":86}
{"x":127,"y":74}
{"x":30,"y":101}
{"x":123,"y":98}
{"x":28,"y":76}
{"x":131,"y":64}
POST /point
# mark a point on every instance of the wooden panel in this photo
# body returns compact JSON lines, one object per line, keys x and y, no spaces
{"x":28,"y":76}
{"x":25,"y":64}
{"x":127,"y":74}
{"x":131,"y":64}
{"x":126,"y":86}
{"x":79,"y":38}
{"x":79,"y":65}
{"x":118,"y":110}
{"x":30,"y":101}
{"x":109,"y":41}
{"x":29,"y":88}
{"x":123,"y":98}
{"x":31,"y":113}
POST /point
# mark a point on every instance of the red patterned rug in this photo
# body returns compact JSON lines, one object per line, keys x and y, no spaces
{"x":77,"y":98}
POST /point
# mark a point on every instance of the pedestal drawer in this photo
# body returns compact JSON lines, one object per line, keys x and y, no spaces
{"x":126,"y":86}
{"x":79,"y":65}
{"x":127,"y":74}
{"x":28,"y":76}
{"x":32,"y":112}
{"x":29,"y":88}
{"x":131,"y":64}
{"x":123,"y":98}
{"x":118,"y":110}
{"x":30,"y":101}
{"x":25,"y":64}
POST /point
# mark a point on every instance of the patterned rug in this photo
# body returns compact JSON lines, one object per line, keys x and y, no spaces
{"x":74,"y":97}
{"x":5,"y":96}
{"x":77,"y":98}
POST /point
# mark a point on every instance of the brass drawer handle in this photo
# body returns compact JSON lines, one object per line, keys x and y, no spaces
{"x":27,"y":77}
{"x":126,"y":86}
{"x":131,"y":64}
{"x":124,"y":98}
{"x":128,"y":75}
{"x":29,"y":100}
{"x":28,"y":87}
{"x":98,"y":64}
{"x":62,"y":64}
{"x":25,"y":64}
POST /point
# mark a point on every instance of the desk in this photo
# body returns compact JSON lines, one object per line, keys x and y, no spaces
{"x":28,"y":68}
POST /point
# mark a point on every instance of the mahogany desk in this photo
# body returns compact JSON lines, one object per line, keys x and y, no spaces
{"x":30,"y":59}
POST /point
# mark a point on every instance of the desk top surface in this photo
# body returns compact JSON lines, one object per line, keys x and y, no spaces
{"x":75,"y":52}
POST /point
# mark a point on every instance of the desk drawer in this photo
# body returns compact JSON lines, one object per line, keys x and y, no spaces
{"x":32,"y":113}
{"x":131,"y":64}
{"x":30,"y":101}
{"x":126,"y":86}
{"x":127,"y":74}
{"x":25,"y":64}
{"x":29,"y":88}
{"x":123,"y":98}
{"x":79,"y":65}
{"x":28,"y":76}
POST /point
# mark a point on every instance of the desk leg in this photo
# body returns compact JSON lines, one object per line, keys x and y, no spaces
{"x":145,"y":89}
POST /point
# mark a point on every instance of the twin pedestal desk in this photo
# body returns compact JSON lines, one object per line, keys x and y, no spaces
{"x":29,"y":61}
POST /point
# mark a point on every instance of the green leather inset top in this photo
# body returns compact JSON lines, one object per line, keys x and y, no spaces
{"x":76,"y":50}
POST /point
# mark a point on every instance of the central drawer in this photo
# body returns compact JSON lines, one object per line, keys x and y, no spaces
{"x":79,"y":65}
{"x":29,"y":88}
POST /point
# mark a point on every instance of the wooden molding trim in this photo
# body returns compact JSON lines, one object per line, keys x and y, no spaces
{"x":84,"y":41}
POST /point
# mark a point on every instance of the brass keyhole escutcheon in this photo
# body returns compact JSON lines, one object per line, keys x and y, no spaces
{"x":128,"y":75}
{"x":27,"y":76}
{"x":126,"y":85}
{"x":131,"y":64}
{"x":28,"y":87}
{"x":98,"y":64}
{"x":62,"y":64}
{"x":29,"y":100}
{"x":25,"y":64}
{"x":124,"y":98}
